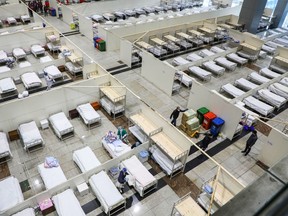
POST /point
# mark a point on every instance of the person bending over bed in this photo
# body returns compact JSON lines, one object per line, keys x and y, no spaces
{"x":122,"y":179}
{"x":122,"y":134}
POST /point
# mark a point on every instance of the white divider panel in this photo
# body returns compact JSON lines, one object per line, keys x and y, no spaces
{"x":200,"y":96}
{"x":89,"y":68}
{"x":71,"y":45}
{"x":275,"y":148}
{"x":125,"y":49}
{"x":85,"y":26}
{"x":229,"y":182}
{"x":14,"y":10}
{"x":38,"y":19}
{"x":67,"y":14}
{"x":161,"y":74}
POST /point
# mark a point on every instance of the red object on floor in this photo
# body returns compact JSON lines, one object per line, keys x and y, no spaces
{"x":208,"y":117}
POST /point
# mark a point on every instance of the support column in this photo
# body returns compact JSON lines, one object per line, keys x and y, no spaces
{"x":280,"y":12}
{"x":251,"y":13}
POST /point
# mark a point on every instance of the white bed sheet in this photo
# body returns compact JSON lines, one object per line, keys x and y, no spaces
{"x":193,"y":57}
{"x":30,"y":134}
{"x":88,"y":113}
{"x":30,"y":80}
{"x":11,"y":20}
{"x":24,"y":64}
{"x":67,"y":204}
{"x":25,"y":212}
{"x":180,"y":61}
{"x":7,"y":85}
{"x":284,"y":81}
{"x":272,"y":98}
{"x":216,"y":49}
{"x":51,"y":176}
{"x":203,"y":74}
{"x":60,"y":124}
{"x":185,"y":78}
{"x":258,"y":78}
{"x":136,"y":131}
{"x":53,"y":47}
{"x":247,"y":55}
{"x":4,"y":145}
{"x":85,"y":159}
{"x":53,"y":72}
{"x":73,"y":68}
{"x":10,"y":189}
{"x":258,"y":105}
{"x":116,"y":148}
{"x":278,"y":68}
{"x":268,"y":49}
{"x":246,"y":84}
{"x":36,"y":49}
{"x":232,"y":90}
{"x":105,"y":190}
{"x":25,"y":18}
{"x":110,"y":107}
{"x":19,"y":53}
{"x":279,"y":89}
{"x":213,"y":67}
{"x":237,"y":58}
{"x":269,"y":73}
{"x":205,"y":52}
{"x":222,"y":61}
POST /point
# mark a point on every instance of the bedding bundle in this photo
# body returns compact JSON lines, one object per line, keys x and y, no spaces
{"x":51,"y":162}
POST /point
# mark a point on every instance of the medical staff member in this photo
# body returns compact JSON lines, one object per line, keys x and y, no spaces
{"x":121,"y":133}
{"x":174,"y":115}
{"x":122,"y":179}
{"x":49,"y":81}
{"x":250,"y":142}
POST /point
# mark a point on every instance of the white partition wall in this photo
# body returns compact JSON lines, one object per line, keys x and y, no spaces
{"x":161,"y":74}
{"x":14,"y":10}
{"x":85,"y":26}
{"x":200,"y":96}
{"x":125,"y":49}
{"x":66,"y":14}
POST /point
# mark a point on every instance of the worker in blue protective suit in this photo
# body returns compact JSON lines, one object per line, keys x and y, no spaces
{"x":122,"y":179}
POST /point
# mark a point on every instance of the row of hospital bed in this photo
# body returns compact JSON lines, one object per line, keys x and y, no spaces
{"x":14,"y":20}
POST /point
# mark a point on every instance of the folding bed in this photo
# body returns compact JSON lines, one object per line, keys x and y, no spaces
{"x":245,"y":84}
{"x":116,"y":147}
{"x":85,"y":159}
{"x":25,"y":212}
{"x":18,"y":53}
{"x":61,"y":126}
{"x":53,"y":72}
{"x":201,"y":73}
{"x":107,"y":194}
{"x":193,"y":57}
{"x":269,"y":73}
{"x":31,"y":80}
{"x":254,"y":76}
{"x":232,"y":90}
{"x":205,"y":52}
{"x":236,"y":58}
{"x":51,"y":176}
{"x":37,"y":50}
{"x":143,"y":181}
{"x":185,"y":79}
{"x":272,"y":98}
{"x":213,"y":67}
{"x":180,"y":61}
{"x":258,"y":105}
{"x":7,"y":87}
{"x":89,"y":115}
{"x":66,"y":204}
{"x":25,"y":18}
{"x":247,"y":55}
{"x":30,"y":136}
{"x":216,"y":49}
{"x":11,"y":20}
{"x":5,"y":152}
{"x":222,"y":61}
{"x":279,"y":89}
{"x":10,"y":193}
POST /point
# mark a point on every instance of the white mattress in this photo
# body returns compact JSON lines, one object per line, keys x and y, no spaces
{"x":53,"y":72}
{"x":4,"y":69}
{"x":73,"y":68}
{"x":85,"y":159}
{"x":236,"y":58}
{"x":105,"y":190}
{"x":258,"y":78}
{"x":66,"y":204}
{"x":60,"y":124}
{"x":180,"y":61}
{"x":24,"y":64}
{"x":30,"y":134}
{"x":213,"y":67}
{"x":268,"y":49}
{"x":97,"y":17}
{"x":193,"y":57}
{"x":51,"y":176}
{"x":284,"y":81}
{"x":267,"y":72}
{"x":116,"y":148}
{"x":37,"y":49}
{"x":246,"y":84}
{"x":30,"y":80}
{"x":7,"y":85}
{"x":4,"y":145}
{"x":247,"y":55}
{"x":45,"y":59}
{"x":10,"y":189}
{"x":272,"y":98}
{"x":19,"y":53}
{"x":136,"y":131}
{"x":25,"y":17}
{"x":184,"y":78}
{"x":216,"y":49}
{"x":53,"y":47}
{"x":226,"y":63}
{"x":111,"y":107}
{"x":279,"y":89}
{"x":88,"y":113}
{"x":258,"y":105}
{"x":11,"y":20}
{"x":205,"y":52}
{"x":232,"y":90}
{"x":25,"y":212}
{"x":205,"y":75}
{"x":278,"y":68}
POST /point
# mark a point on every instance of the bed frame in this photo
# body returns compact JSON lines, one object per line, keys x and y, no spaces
{"x":93,"y":125}
{"x":63,"y":136}
{"x":5,"y":156}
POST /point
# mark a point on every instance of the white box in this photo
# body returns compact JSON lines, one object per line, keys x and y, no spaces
{"x":44,"y":124}
{"x":17,"y":80}
{"x":41,"y":74}
{"x":83,"y":189}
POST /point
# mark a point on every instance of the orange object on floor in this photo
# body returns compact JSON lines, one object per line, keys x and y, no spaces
{"x":208,"y":117}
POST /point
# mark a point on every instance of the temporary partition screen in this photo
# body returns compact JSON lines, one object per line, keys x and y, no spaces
{"x":85,"y":26}
{"x":125,"y":49}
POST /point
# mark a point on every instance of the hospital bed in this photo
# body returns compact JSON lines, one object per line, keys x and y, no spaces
{"x":51,"y":176}
{"x":216,"y":49}
{"x":4,"y":69}
{"x":3,"y":57}
{"x":184,"y":44}
{"x":139,"y":177}
{"x":110,"y":107}
{"x":89,"y":115}
{"x":247,"y":55}
{"x":262,"y":54}
{"x":23,"y":64}
{"x":74,"y":68}
{"x":11,"y":20}
{"x":268,"y":73}
{"x":273,"y":44}
{"x":107,"y":194}
{"x":25,"y":18}
{"x":279,"y":89}
{"x":144,"y":45}
{"x":258,"y":105}
{"x":149,"y":9}
{"x":25,"y":212}
{"x":180,"y":61}
{"x":37,"y":50}
{"x":85,"y":159}
{"x":61,"y":126}
{"x":185,"y":79}
{"x":268,"y":49}
{"x":10,"y":193}
{"x":272,"y":98}
{"x":18,"y":53}
{"x":7,"y":87}
{"x":205,"y":52}
{"x":245,"y":84}
{"x":115,"y":148}
{"x":158,"y":51}
{"x":131,"y":12}
{"x":284,"y":81}
{"x":97,"y":18}
{"x":53,"y":72}
{"x":54,"y":47}
{"x":254,"y":76}
{"x":137,"y":132}
{"x":30,"y":136}
{"x":45,"y":59}
{"x":281,"y":41}
{"x":232,"y":90}
{"x":120,"y":15}
{"x":278,"y":68}
{"x":222,"y":61}
{"x":109,"y":16}
{"x":201,"y":73}
{"x":214,"y":68}
{"x":5,"y":152}
{"x":66,"y":204}
{"x":193,"y":57}
{"x":172,"y":47}
{"x":31,"y":80}
{"x":236,"y":58}
{"x":158,"y":8}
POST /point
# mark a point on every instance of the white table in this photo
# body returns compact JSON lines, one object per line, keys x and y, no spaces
{"x":44,"y":124}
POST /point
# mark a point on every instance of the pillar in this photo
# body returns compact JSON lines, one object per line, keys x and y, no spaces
{"x":280,"y":12}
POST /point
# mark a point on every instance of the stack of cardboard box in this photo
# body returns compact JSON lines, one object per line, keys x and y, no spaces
{"x":189,"y":122}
